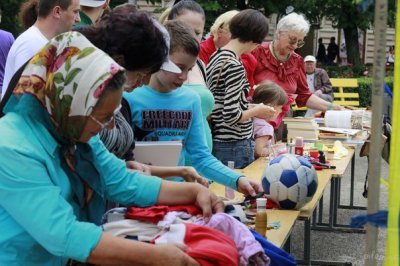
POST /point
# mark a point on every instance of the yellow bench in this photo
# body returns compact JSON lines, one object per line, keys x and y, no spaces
{"x":341,"y":95}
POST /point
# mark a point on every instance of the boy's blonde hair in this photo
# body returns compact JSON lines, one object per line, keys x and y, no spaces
{"x":270,"y":93}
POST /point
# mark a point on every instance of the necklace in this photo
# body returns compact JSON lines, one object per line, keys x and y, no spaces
{"x":278,"y":57}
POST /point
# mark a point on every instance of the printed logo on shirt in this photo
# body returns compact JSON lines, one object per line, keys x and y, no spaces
{"x":166,"y":119}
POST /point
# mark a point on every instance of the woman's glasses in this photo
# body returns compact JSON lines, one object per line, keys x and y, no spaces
{"x":105,"y":124}
{"x":293,"y":41}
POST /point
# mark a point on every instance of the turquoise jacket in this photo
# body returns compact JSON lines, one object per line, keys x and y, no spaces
{"x":39,"y":221}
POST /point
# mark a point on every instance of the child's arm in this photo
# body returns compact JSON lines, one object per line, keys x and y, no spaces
{"x":258,"y":110}
{"x":261,"y":146}
{"x":186,"y":172}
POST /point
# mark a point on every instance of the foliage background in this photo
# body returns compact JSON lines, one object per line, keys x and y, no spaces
{"x":346,"y":14}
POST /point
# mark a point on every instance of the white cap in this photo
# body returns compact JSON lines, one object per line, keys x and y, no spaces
{"x":261,"y":202}
{"x":309,"y":58}
{"x":92,"y":3}
{"x":168,"y":65}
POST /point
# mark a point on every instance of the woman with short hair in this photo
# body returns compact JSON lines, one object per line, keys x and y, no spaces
{"x":226,"y":78}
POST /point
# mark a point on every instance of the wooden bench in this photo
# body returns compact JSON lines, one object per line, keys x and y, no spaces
{"x":345,"y":95}
{"x":342,"y":95}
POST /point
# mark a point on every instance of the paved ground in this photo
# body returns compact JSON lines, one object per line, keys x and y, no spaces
{"x":345,"y":247}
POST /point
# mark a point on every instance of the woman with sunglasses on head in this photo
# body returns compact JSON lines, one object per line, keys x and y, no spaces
{"x":278,"y":62}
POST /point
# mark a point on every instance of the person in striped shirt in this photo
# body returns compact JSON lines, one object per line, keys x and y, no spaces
{"x":226,"y":78}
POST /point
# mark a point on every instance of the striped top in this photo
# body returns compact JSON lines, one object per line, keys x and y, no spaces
{"x":230,"y":97}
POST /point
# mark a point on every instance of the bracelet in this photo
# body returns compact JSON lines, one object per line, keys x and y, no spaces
{"x":329,"y":107}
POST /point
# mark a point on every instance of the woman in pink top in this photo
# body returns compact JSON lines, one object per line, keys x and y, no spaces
{"x":278,"y":62}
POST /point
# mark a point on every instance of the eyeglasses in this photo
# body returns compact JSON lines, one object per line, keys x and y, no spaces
{"x":104,"y":125}
{"x":293,"y":41}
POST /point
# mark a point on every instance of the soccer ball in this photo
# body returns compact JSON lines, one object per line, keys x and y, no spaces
{"x":290,"y":181}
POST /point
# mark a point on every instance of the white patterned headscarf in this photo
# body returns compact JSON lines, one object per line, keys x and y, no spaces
{"x":59,"y":88}
{"x":67,"y":77}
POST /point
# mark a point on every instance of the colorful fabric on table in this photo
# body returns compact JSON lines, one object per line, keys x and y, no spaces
{"x":250,"y":251}
{"x":156,"y":213}
{"x":278,"y":256}
{"x":56,"y":81}
{"x":128,"y":228}
{"x":207,"y":246}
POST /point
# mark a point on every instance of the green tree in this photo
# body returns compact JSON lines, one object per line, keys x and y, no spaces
{"x":9,"y":20}
{"x":349,"y":15}
{"x":346,"y":15}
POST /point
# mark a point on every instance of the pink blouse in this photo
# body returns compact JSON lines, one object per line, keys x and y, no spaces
{"x":290,"y":76}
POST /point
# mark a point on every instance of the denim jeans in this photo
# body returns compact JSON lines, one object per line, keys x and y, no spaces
{"x":241,"y":152}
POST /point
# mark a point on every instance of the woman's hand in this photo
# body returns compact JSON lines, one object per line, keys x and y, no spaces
{"x":248,"y":187}
{"x":209,"y":203}
{"x":190,"y":175}
{"x":141,"y":168}
{"x":173,"y":254}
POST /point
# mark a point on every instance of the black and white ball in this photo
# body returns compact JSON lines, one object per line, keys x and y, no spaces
{"x":290,"y":181}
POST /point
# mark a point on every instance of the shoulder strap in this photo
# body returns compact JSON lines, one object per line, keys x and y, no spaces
{"x":220,"y":71}
{"x":200,"y":64}
{"x":13,"y":82}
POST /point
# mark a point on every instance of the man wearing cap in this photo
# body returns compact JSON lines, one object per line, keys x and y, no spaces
{"x":54,"y":17}
{"x":318,"y":81}
{"x":91,"y":11}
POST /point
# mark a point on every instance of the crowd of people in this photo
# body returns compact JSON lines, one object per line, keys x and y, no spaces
{"x":83,"y":82}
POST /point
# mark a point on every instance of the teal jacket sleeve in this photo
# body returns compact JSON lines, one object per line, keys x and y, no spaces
{"x":200,"y":156}
{"x":37,"y":206}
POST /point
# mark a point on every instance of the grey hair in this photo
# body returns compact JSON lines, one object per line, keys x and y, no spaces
{"x":293,"y":22}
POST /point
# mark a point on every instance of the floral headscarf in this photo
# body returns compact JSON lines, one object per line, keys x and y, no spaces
{"x":67,"y":77}
{"x":59,"y":88}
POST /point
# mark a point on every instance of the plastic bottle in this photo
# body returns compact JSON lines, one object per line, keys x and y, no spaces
{"x":261,"y":217}
{"x":299,"y":146}
{"x":229,"y":192}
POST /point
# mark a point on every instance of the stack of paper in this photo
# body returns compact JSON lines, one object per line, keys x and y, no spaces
{"x":301,"y":127}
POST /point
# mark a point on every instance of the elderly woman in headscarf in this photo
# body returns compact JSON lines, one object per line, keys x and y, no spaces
{"x":56,"y":174}
{"x":278,"y":62}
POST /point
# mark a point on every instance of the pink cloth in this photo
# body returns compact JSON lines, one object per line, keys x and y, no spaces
{"x":156,"y":213}
{"x":290,"y":75}
{"x":250,"y":251}
{"x":209,"y":247}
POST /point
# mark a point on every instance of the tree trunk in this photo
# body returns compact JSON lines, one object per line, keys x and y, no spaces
{"x":352,"y":47}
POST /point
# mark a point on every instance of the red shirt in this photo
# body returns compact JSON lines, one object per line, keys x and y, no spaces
{"x":207,"y":48}
{"x":290,"y":76}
